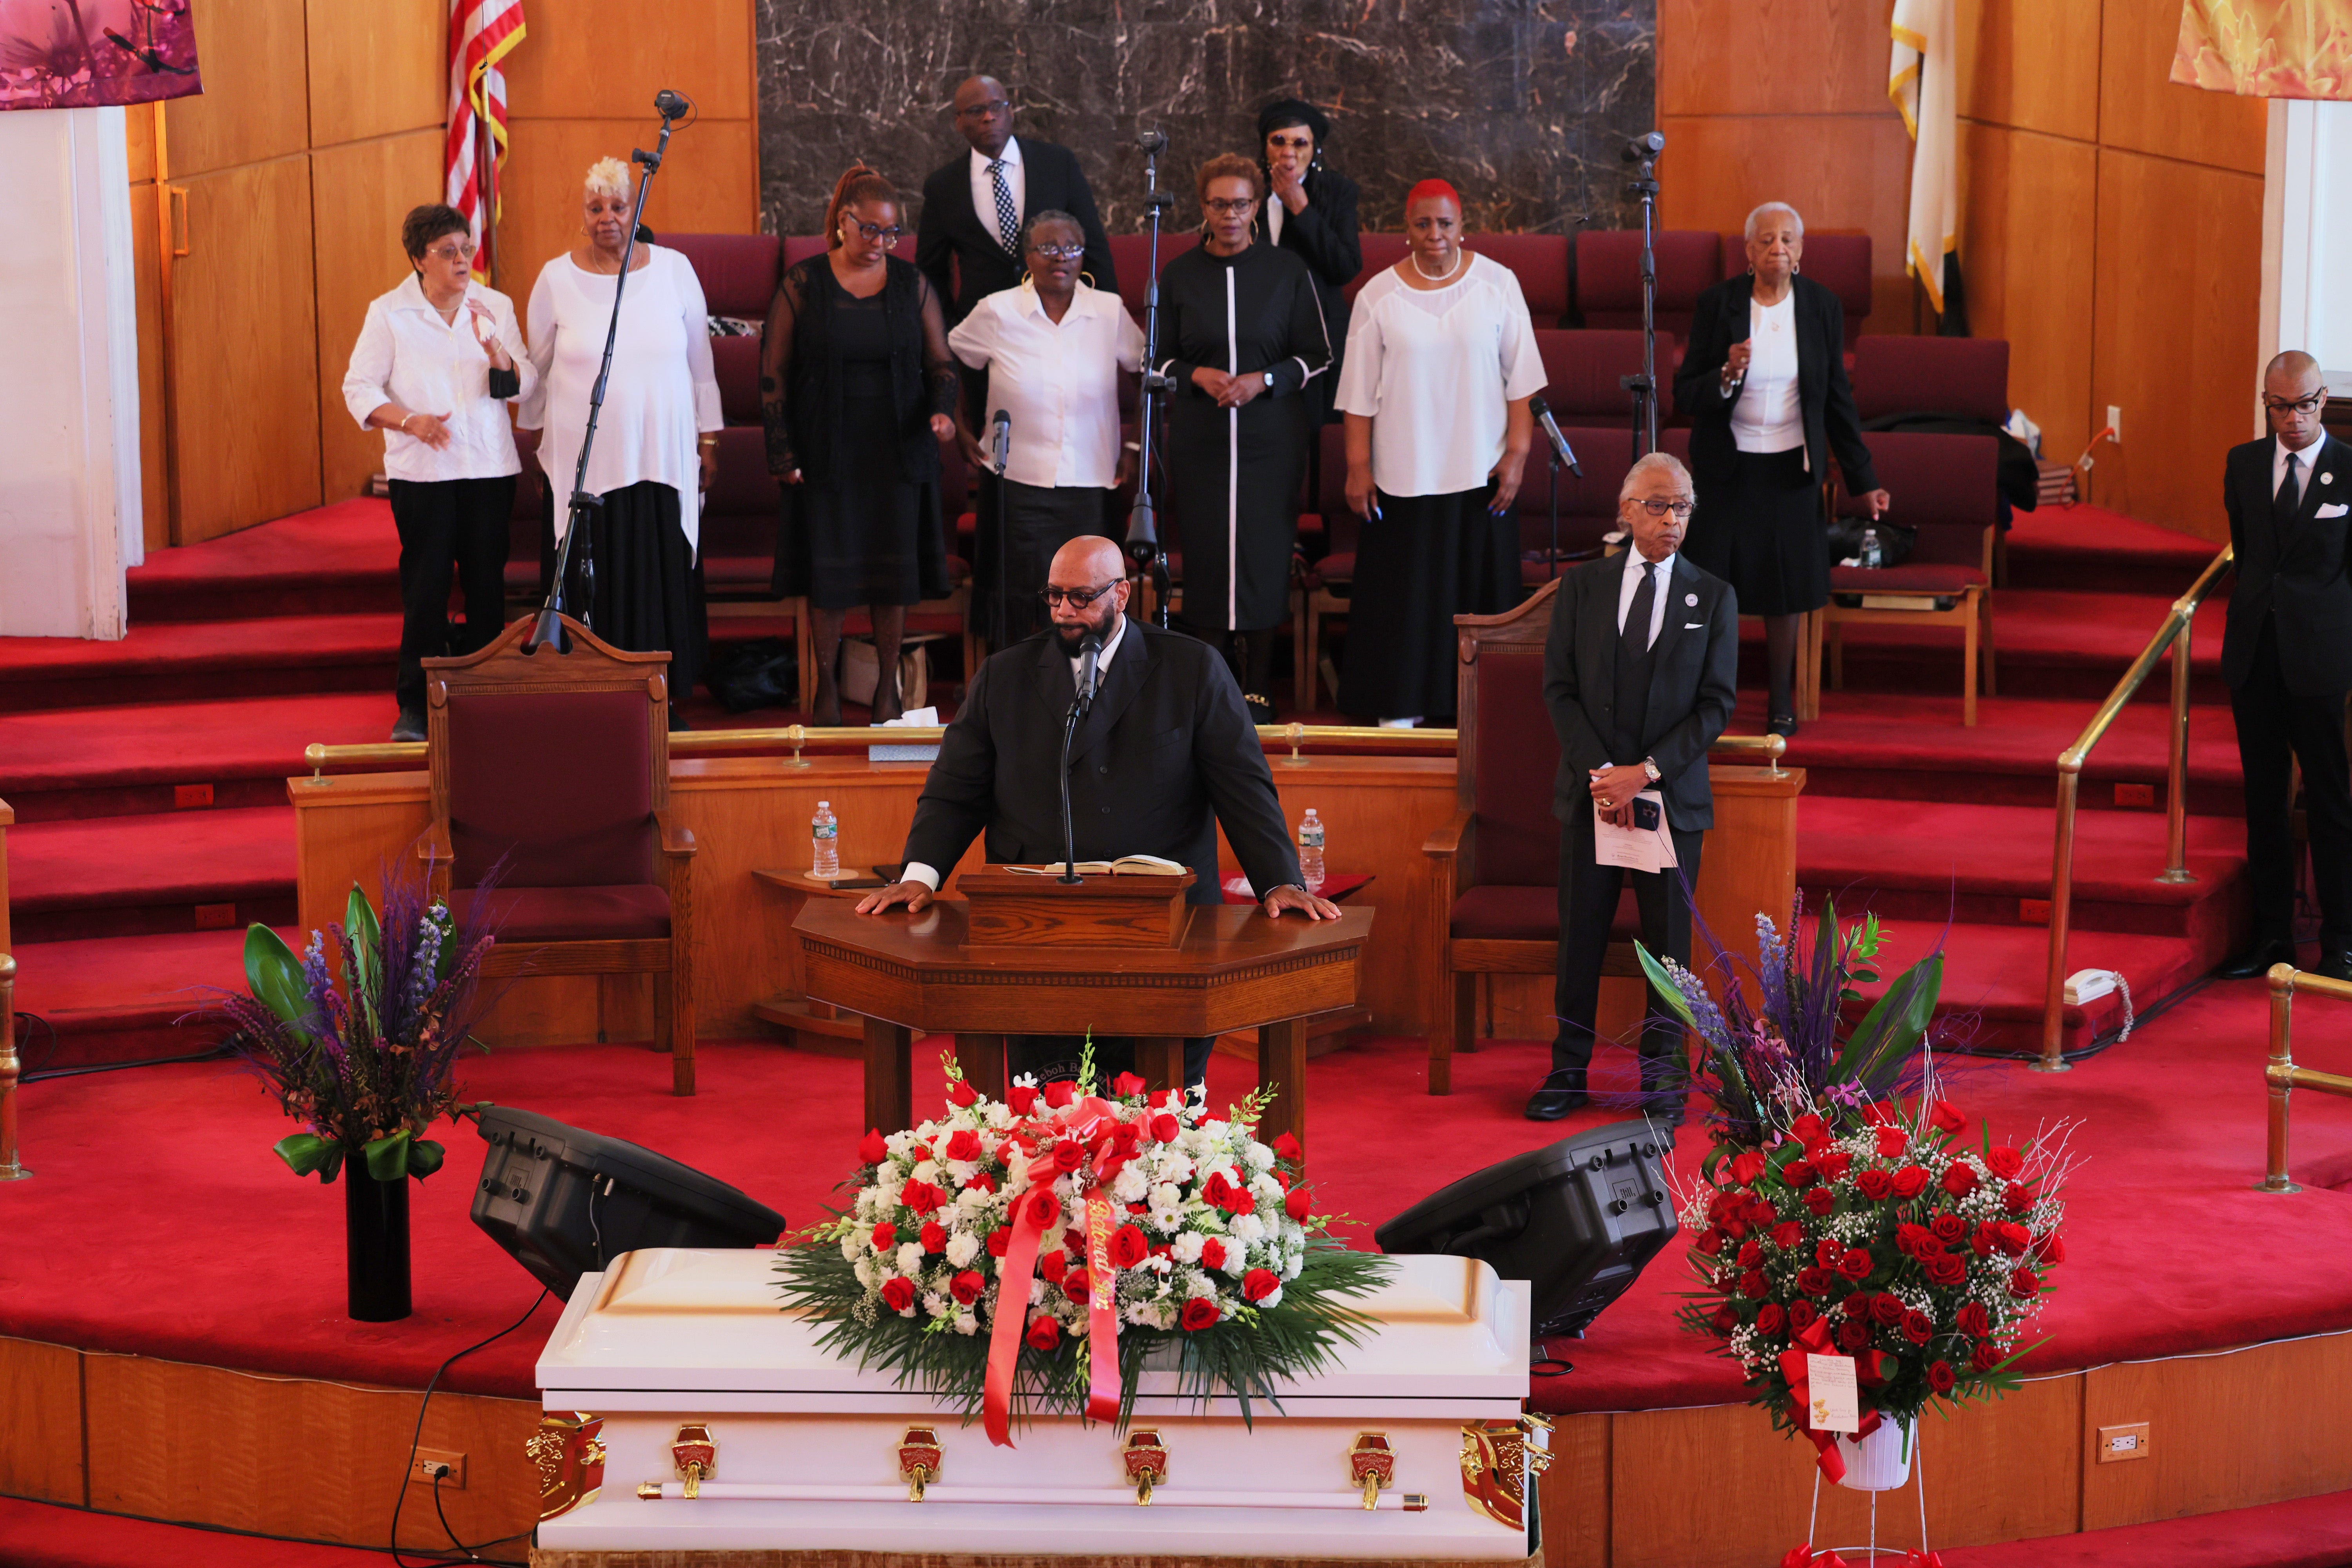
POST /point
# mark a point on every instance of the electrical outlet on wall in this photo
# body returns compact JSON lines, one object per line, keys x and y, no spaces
{"x":2115,"y":424}
{"x":2117,"y":1443}
{"x":430,"y":1462}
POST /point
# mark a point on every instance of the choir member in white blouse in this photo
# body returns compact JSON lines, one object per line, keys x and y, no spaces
{"x":657,"y":439}
{"x":437,"y":360}
{"x":1053,"y":348}
{"x":1440,"y":363}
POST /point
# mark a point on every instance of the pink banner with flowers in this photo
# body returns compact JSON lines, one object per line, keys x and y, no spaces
{"x":85,"y":54}
{"x":2266,"y":48}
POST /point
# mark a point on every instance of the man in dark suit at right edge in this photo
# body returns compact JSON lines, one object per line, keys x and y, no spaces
{"x":1640,"y":672}
{"x":974,"y":207}
{"x":2287,"y":656}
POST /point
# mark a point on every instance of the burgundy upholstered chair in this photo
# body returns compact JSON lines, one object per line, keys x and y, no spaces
{"x":1967,"y":377}
{"x":1130,"y":255}
{"x":1609,"y":276}
{"x":1380,"y":249}
{"x":1324,"y":586}
{"x":558,"y":764}
{"x":1540,"y":261}
{"x":1839,"y":262}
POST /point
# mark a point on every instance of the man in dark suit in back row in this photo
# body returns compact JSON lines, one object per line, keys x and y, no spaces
{"x":1165,"y":754}
{"x":2287,"y":656}
{"x":1640,"y":672}
{"x":968,"y":241}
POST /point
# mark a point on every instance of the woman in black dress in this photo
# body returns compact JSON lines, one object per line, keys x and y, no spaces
{"x":858,"y":386}
{"x":1763,"y":383}
{"x":1310,"y":212}
{"x":1243,"y":332}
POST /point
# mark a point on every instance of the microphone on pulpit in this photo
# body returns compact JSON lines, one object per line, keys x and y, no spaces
{"x":1090,"y":651}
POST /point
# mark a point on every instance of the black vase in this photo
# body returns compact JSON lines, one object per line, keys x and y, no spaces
{"x":375,"y":1244}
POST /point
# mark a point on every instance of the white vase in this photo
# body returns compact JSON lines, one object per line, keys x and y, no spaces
{"x":1882,"y":1461}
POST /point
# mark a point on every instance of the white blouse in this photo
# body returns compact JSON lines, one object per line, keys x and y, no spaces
{"x":1433,"y":369}
{"x":1766,"y":417}
{"x":407,"y":354}
{"x":663,"y":390}
{"x":1059,"y":383}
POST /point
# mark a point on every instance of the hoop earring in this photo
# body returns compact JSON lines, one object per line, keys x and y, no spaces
{"x":1086,"y":278}
{"x":1794,"y":270}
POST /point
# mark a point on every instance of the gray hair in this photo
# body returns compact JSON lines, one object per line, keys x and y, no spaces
{"x":1049,"y":216}
{"x":1760,"y":214}
{"x":1664,"y":463}
{"x":608,"y":177}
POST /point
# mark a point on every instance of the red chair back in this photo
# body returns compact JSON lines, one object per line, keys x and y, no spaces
{"x":1609,"y":276}
{"x":1131,"y":255}
{"x":1966,"y":376}
{"x":1541,"y":262}
{"x":1512,"y":756}
{"x":557,"y":782}
{"x":1380,"y":251}
{"x":737,"y":271}
{"x":1582,"y":371}
{"x":1839,"y":262}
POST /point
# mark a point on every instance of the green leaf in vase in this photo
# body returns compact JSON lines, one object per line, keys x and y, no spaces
{"x":275,"y":976}
{"x":388,"y":1157}
{"x":307,"y":1154}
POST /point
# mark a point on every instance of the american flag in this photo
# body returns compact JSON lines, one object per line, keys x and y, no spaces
{"x":481,"y":34}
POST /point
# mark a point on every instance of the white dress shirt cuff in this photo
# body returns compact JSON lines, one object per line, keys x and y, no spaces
{"x":917,"y":871}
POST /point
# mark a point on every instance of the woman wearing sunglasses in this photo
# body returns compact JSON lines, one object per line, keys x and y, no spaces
{"x":1053,"y":348}
{"x":858,"y":386}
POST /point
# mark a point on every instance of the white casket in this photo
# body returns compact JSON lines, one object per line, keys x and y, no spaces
{"x":807,"y":1453}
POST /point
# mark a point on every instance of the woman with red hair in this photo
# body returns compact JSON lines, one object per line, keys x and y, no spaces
{"x":1440,"y":363}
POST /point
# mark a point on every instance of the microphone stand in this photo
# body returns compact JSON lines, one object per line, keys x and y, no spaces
{"x":585,"y":506}
{"x":1142,"y":522}
{"x":1079,"y":705}
{"x":1642,"y":153}
{"x":1000,"y":441}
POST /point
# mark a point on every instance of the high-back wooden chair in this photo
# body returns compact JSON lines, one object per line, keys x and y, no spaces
{"x":1497,"y":861}
{"x":557,"y":764}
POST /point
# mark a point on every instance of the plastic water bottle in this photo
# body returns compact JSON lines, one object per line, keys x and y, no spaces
{"x":1310,"y":851}
{"x":1872,"y":554}
{"x":825,"y":830}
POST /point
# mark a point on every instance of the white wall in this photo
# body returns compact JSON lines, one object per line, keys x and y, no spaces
{"x":69,"y":483}
{"x":2307,"y":235}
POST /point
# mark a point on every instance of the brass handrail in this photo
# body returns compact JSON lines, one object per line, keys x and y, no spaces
{"x":11,"y":1068}
{"x":697,"y":743}
{"x":2282,"y":1075}
{"x":2173,"y":636}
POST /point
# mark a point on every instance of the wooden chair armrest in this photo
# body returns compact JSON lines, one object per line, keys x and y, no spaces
{"x":1452,"y":838}
{"x":676,"y":842}
{"x":434,"y":844}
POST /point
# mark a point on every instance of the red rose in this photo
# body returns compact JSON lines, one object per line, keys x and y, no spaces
{"x":1260,"y":1283}
{"x":1799,"y":1172}
{"x":1751,"y":1284}
{"x":1165,"y":1129}
{"x":1059,"y":1094}
{"x":1299,"y":1205}
{"x":1853,"y":1336}
{"x":1809,"y":1129}
{"x":898,"y":1292}
{"x":935,"y":1236}
{"x":1988,"y":1356}
{"x":1944,"y":1270}
{"x":1724,"y":1321}
{"x":967,"y":1287}
{"x":1751,"y":1255}
{"x":1286,"y":1147}
{"x":1917,"y":1327}
{"x":1833,"y":1165}
{"x":1216,"y":1189}
{"x":2052,"y":1249}
{"x":1820,"y":1200}
{"x":1891,"y":1141}
{"x":922,"y":1197}
{"x":1788,"y":1234}
{"x":1746,"y":1165}
{"x":964,"y":1096}
{"x":1940,"y":1377}
{"x":1803,"y":1315}
{"x":1200,"y":1313}
{"x":1069,"y":1156}
{"x":1813,"y":1282}
{"x":1949,"y":1228}
{"x":1973,"y":1320}
{"x":1000,"y":1240}
{"x":872,"y":1148}
{"x":1910,"y":1182}
{"x":1830,"y":1253}
{"x":1128,"y":1246}
{"x":1945,"y":1118}
{"x":1242,"y":1201}
{"x":1076,"y":1283}
{"x":1875,"y":1186}
{"x":1212,"y":1254}
{"x":1022,"y":1098}
{"x":886,"y":1237}
{"x":2004,"y":1162}
{"x":1054,"y":1265}
{"x":1909,"y":1237}
{"x":1040,"y":1208}
{"x":963,"y":1144}
{"x":1073,"y":1242}
{"x":1126,"y":1086}
{"x":981,"y":1182}
{"x":1878,"y":1113}
{"x":1771,"y":1320}
{"x":1887,"y":1310}
{"x":1958,"y":1180}
{"x":1735,"y":1228}
{"x":1043,"y":1334}
{"x":2025,"y":1284}
{"x":2017,"y":1199}
{"x":1873,"y":1369}
{"x":2011,"y":1237}
{"x":1711,"y":1243}
{"x":1856,"y":1265}
{"x":1856,"y":1305}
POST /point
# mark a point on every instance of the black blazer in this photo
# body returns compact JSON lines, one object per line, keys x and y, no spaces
{"x":1825,"y":395}
{"x":1166,"y":744}
{"x":1694,"y":679}
{"x":2297,"y":575}
{"x":951,"y":232}
{"x":1328,"y":236}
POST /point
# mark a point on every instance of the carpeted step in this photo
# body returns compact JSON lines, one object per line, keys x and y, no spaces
{"x":49,"y":1535}
{"x":341,"y":559}
{"x":120,"y":998}
{"x":2090,"y":547}
{"x":2308,"y":1532}
{"x":194,"y":661}
{"x":139,"y":876}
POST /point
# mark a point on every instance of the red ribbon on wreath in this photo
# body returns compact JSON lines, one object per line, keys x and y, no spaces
{"x":1813,"y":1339}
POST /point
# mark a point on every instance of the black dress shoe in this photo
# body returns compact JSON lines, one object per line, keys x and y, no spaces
{"x":1561,"y":1091}
{"x":1781,"y":724}
{"x":2257,"y":959}
{"x":2335,"y":964}
{"x":409,"y":726}
{"x":677,"y":720}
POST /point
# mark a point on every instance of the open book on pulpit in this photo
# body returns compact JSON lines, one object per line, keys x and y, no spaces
{"x":1124,"y":865}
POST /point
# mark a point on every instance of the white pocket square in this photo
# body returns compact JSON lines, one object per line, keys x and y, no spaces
{"x":1701,"y":626}
{"x":2335,"y":510}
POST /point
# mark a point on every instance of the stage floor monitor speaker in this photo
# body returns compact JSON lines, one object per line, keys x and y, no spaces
{"x":1579,"y":1221}
{"x":563,"y":1202}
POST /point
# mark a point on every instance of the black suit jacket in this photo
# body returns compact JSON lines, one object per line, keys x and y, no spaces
{"x":949,"y":231}
{"x":1693,"y":682}
{"x":2297,"y":574}
{"x":1166,"y":744}
{"x":1825,"y":395}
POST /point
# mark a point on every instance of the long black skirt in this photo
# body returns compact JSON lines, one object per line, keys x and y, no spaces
{"x":872,"y":539}
{"x":1763,"y":533}
{"x":1036,"y":521}
{"x":647,"y":592}
{"x":1424,"y":560}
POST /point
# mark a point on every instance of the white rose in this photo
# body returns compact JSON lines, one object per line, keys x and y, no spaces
{"x":1186,"y":1248}
{"x":963,"y":1248}
{"x":1260,"y":1157}
{"x":927,"y":1172}
{"x":1237,"y":1259}
{"x":1131,"y":1185}
{"x":1290,"y":1269}
{"x":868,"y":1275}
{"x":910,"y":1258}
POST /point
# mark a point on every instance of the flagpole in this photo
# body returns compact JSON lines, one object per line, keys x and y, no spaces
{"x":486,"y":177}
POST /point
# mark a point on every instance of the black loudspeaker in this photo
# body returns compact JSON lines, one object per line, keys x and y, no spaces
{"x":563,"y":1203}
{"x":1578,"y":1221}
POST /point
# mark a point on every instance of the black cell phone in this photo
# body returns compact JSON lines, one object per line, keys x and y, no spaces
{"x":1646,"y":814}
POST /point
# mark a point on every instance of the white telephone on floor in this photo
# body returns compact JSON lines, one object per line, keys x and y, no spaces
{"x":2090,"y":984}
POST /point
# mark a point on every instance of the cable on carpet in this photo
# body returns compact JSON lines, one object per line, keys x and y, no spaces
{"x":217,"y":1054}
{"x":2099,"y":1043}
{"x":416,"y":1439}
{"x":28,"y":1070}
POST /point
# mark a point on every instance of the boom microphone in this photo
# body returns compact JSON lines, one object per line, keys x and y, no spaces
{"x":1151,"y":141}
{"x":1559,"y":447}
{"x":671,"y":105}
{"x":1000,"y":439}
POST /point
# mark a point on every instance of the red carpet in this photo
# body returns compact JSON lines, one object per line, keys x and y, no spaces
{"x":43,"y":1535}
{"x":2309,"y":1533}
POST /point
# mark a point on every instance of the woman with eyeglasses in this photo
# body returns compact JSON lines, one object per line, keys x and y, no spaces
{"x":1763,"y":383}
{"x":436,"y":357}
{"x":1052,"y":349}
{"x":657,"y":439}
{"x":1441,"y":362}
{"x":1244,"y":333}
{"x":858,"y":386}
{"x":1311,"y":211}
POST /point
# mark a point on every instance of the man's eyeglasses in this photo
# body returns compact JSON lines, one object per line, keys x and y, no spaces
{"x":2301,"y":406}
{"x":1658,"y":507}
{"x":1224,"y":208}
{"x":875,"y":234}
{"x":983,"y":111}
{"x":452,"y":252}
{"x":1079,"y":598}
{"x":1058,"y":252}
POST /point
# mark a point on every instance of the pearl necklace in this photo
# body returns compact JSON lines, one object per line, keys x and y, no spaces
{"x":1414,"y":257}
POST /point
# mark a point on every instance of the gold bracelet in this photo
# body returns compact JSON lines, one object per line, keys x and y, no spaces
{"x":705,"y":440}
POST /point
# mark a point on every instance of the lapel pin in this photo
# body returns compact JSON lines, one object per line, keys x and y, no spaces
{"x":2327,"y":479}
{"x":1691,"y":599}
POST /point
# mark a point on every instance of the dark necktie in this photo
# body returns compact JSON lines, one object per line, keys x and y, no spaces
{"x":2284,"y":504}
{"x":1008,"y":222}
{"x":1633,"y":638}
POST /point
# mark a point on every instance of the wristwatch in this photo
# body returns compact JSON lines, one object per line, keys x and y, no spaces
{"x":1650,"y":769}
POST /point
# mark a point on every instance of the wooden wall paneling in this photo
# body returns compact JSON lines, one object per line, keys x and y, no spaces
{"x":244,"y":349}
{"x":2028,"y":224}
{"x":2259,"y":1425}
{"x":320,"y":1461}
{"x":1574,"y":1496}
{"x":1771,"y":58}
{"x":2179,"y":257}
{"x":2031,"y":64}
{"x":255,"y":103}
{"x":2142,"y":109}
{"x":359,"y":192}
{"x":708,"y":185}
{"x":600,"y":59}
{"x":1846,"y":173}
{"x":138,"y":141}
{"x":147,"y":274}
{"x":41,"y":1422}
{"x":377,"y":68}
